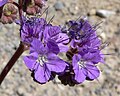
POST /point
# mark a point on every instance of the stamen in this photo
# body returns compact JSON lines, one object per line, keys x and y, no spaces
{"x":104,"y":45}
{"x":43,"y":12}
{"x":46,"y":15}
{"x":97,"y":24}
{"x":50,"y":21}
{"x":42,"y":60}
{"x":82,"y":64}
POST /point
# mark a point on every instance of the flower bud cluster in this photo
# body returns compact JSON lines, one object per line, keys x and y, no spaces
{"x":9,"y":13}
{"x":33,"y":7}
{"x":9,"y":9}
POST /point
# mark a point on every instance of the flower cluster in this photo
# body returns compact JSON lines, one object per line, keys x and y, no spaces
{"x":78,"y":41}
{"x":84,"y":53}
{"x":45,"y":42}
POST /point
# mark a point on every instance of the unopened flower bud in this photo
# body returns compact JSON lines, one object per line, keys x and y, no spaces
{"x":9,"y":14}
{"x":40,"y":3}
{"x":32,"y":7}
{"x":33,"y":10}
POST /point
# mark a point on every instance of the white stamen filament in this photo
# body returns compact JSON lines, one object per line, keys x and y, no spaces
{"x":42,"y":60}
{"x":82,"y":64}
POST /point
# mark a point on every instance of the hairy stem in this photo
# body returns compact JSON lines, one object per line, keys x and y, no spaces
{"x":12,"y":61}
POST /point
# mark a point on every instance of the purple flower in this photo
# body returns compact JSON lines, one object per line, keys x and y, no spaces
{"x":79,"y":29}
{"x":91,"y":42}
{"x":2,"y":2}
{"x":54,"y":33}
{"x":43,"y":60}
{"x":82,"y":33}
{"x":32,"y":28}
{"x":84,"y":69}
{"x":84,"y":53}
{"x":92,"y":55}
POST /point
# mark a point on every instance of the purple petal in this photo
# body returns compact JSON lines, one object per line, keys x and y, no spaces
{"x":2,"y":2}
{"x":30,"y":61}
{"x":92,"y":71}
{"x":87,"y":27}
{"x":73,"y":44}
{"x":95,"y":42}
{"x":93,"y":57}
{"x":41,"y":21}
{"x":63,"y":48}
{"x":52,"y":46}
{"x":52,"y":56}
{"x":51,"y":32}
{"x":55,"y":64}
{"x":61,"y":41}
{"x":102,"y":58}
{"x":32,"y":28}
{"x":62,"y":38}
{"x":42,"y":74}
{"x":37,"y":46}
{"x":80,"y":75}
{"x":75,"y":60}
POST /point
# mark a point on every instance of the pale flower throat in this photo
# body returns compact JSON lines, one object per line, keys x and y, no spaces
{"x":82,"y":63}
{"x":42,"y":60}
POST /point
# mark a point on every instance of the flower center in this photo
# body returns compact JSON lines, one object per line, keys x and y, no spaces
{"x":42,"y":60}
{"x":82,"y":64}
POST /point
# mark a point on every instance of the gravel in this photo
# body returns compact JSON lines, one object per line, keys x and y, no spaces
{"x":19,"y":81}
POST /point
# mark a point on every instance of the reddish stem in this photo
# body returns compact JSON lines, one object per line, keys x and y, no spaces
{"x":12,"y":61}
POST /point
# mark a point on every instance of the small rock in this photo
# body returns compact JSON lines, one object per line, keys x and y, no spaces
{"x":103,"y":36}
{"x":92,"y":12}
{"x":104,"y":13}
{"x":73,"y":9}
{"x":7,"y":91}
{"x":21,"y":91}
{"x":15,"y":70}
{"x":59,"y":5}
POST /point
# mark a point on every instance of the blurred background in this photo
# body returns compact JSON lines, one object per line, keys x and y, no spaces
{"x":19,"y":81}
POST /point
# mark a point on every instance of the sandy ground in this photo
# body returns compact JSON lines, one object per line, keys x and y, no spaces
{"x":19,"y":82}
